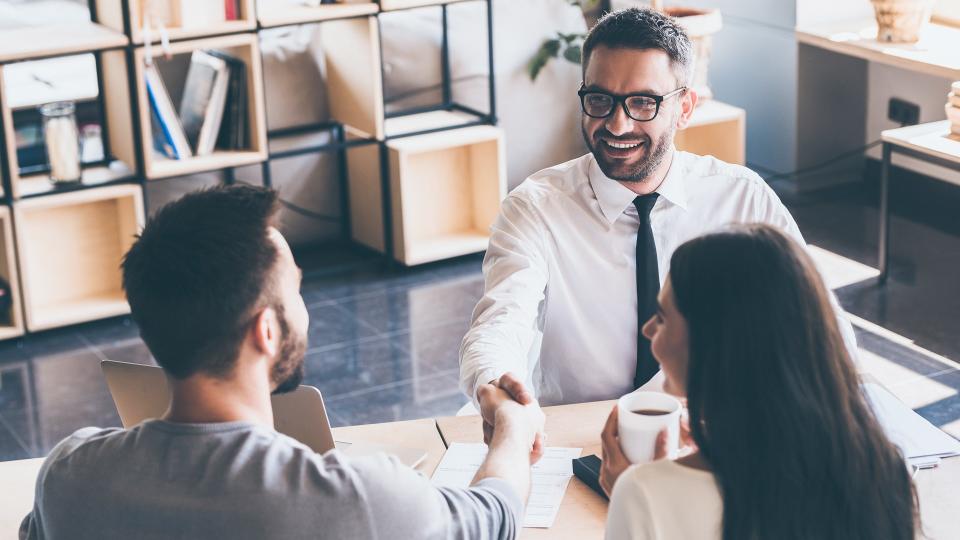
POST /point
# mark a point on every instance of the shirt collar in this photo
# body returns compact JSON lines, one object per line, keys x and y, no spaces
{"x":614,"y":197}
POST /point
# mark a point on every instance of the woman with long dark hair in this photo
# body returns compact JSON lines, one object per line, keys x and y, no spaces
{"x":787,"y":447}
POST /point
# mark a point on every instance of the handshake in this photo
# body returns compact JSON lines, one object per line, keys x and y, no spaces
{"x":510,"y":412}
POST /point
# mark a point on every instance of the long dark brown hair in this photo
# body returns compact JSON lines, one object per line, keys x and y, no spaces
{"x":775,"y":402}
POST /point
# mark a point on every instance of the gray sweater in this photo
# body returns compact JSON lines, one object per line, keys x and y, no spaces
{"x":240,"y":480}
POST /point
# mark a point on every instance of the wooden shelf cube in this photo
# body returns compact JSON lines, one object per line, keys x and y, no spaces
{"x":11,"y":323}
{"x":716,"y":129}
{"x":273,"y":13}
{"x":111,"y":14}
{"x":71,"y":246}
{"x":33,"y":42}
{"x":242,"y":46}
{"x":445,"y":190}
{"x":117,"y":117}
{"x":354,"y":83}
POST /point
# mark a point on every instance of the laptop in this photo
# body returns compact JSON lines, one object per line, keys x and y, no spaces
{"x":140,"y":392}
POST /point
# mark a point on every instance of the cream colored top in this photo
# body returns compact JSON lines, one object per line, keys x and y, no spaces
{"x":666,"y":501}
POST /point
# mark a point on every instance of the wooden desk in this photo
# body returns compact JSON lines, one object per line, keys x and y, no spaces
{"x":931,"y":142}
{"x":421,"y":434}
{"x":18,"y":478}
{"x":583,"y":513}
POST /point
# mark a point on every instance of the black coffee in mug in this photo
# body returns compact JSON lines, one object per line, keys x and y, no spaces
{"x":650,"y":412}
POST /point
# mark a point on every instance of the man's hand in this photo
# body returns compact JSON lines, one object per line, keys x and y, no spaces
{"x":503,"y":413}
{"x":513,"y":386}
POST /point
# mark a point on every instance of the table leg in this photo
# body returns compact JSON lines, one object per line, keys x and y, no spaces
{"x":884,"y":243}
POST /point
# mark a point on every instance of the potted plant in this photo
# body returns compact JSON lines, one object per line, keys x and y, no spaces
{"x":900,"y":21}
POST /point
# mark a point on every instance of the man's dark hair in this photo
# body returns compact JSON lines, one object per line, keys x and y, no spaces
{"x":200,"y":270}
{"x":643,"y":28}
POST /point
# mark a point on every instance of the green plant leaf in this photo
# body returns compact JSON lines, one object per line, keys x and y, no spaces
{"x":549,"y":49}
{"x":573,"y":54}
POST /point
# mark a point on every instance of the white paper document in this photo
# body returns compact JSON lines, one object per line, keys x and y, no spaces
{"x":913,"y":434}
{"x":549,"y":480}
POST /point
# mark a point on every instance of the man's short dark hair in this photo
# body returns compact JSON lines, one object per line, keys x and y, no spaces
{"x":200,"y":270}
{"x":643,"y":28}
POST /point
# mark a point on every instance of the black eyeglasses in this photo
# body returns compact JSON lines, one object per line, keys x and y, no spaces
{"x":640,"y":107}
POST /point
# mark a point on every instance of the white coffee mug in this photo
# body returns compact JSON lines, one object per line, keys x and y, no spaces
{"x":638,"y":432}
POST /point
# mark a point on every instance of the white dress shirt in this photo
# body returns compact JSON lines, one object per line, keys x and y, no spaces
{"x":560,"y":298}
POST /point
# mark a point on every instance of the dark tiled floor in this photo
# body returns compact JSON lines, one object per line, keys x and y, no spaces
{"x":383,"y":343}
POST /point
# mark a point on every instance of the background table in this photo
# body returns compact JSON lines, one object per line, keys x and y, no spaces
{"x":931,"y":142}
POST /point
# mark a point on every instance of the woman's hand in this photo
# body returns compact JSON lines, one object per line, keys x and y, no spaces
{"x":614,"y":460}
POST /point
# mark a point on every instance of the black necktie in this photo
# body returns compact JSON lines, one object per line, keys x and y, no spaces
{"x":648,"y":286}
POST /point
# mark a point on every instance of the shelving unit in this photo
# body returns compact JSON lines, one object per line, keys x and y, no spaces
{"x":112,"y":14}
{"x":418,"y":185}
{"x":71,"y":246}
{"x":11,"y":324}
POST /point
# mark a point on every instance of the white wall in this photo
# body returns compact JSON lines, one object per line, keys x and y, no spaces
{"x":924,"y":90}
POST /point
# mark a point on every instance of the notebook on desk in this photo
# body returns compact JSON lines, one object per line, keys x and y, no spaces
{"x":915,"y":436}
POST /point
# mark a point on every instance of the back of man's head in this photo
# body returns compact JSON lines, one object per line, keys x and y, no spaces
{"x":200,"y":271}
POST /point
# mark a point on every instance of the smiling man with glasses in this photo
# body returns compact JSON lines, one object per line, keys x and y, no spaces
{"x":579,"y":250}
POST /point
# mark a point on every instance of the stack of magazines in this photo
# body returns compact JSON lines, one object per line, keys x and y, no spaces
{"x":213,"y":110}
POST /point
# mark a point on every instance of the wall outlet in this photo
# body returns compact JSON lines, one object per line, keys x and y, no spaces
{"x":903,"y":112}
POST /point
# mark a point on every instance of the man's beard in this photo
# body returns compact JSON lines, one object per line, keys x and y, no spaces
{"x":653,"y":157}
{"x":288,"y":371}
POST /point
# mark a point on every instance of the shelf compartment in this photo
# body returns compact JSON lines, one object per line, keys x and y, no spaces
{"x":71,"y":246}
{"x":354,"y":84}
{"x":446,"y":190}
{"x":110,"y":14}
{"x":11,"y":323}
{"x":34,"y":42}
{"x":117,"y":116}
{"x":284,"y":12}
{"x":242,"y":46}
{"x":716,"y":129}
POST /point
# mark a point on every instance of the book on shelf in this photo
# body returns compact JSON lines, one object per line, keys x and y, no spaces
{"x":234,"y":130}
{"x":232,"y":9}
{"x":204,"y":97}
{"x":168,"y":134}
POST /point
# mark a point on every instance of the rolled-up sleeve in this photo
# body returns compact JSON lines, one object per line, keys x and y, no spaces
{"x":505,"y":324}
{"x":408,"y":506}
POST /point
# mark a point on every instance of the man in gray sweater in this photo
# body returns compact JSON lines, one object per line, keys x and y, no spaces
{"x":214,"y":290}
